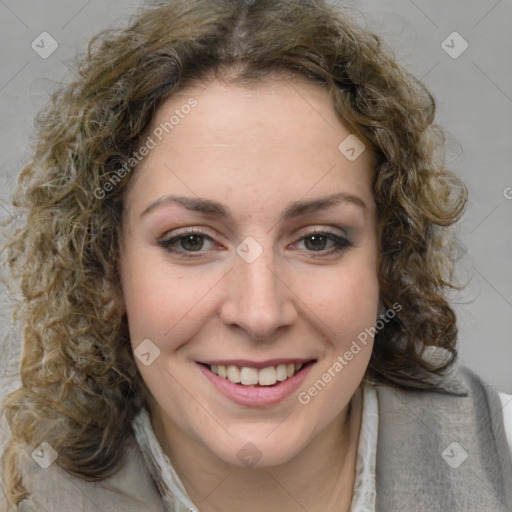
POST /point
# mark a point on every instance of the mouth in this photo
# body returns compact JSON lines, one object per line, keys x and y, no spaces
{"x":258,"y":374}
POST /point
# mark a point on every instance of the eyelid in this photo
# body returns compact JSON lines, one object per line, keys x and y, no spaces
{"x":322,"y":230}
{"x":182,"y":232}
{"x":179,"y":232}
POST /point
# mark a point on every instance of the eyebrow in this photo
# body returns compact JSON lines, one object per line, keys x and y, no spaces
{"x":295,"y":209}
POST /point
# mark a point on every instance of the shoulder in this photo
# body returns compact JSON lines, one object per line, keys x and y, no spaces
{"x":130,"y":489}
{"x":458,"y":399}
{"x":443,"y":445}
{"x":459,"y":382}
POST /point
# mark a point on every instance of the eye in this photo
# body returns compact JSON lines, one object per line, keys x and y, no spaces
{"x":188,"y":241}
{"x":192,"y":241}
{"x":324,"y":242}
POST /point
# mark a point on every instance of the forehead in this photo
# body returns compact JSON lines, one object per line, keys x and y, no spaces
{"x":280,"y":134}
{"x":291,"y":105}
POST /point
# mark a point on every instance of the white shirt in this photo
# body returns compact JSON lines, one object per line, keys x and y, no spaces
{"x":364,"y":494}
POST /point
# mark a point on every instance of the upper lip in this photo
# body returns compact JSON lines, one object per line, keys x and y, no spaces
{"x":256,"y":364}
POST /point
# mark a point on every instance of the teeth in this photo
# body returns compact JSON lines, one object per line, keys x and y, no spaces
{"x":281,"y":373}
{"x":267,"y":376}
{"x":248,"y":376}
{"x":233,"y":374}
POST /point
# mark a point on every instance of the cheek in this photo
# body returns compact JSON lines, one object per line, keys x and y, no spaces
{"x":162,"y":302}
{"x":344,"y":299}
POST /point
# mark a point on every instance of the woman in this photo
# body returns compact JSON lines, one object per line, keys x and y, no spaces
{"x":233,"y":271}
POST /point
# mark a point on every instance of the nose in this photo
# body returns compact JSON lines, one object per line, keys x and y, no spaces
{"x":258,"y":300}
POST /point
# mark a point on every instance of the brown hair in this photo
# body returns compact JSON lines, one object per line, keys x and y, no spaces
{"x":80,"y":386}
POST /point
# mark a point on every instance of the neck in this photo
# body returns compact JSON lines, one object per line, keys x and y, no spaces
{"x":329,"y":462}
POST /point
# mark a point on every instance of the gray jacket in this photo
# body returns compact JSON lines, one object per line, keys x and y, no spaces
{"x":437,"y":451}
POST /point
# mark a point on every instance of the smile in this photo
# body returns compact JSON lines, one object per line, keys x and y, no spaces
{"x":248,"y":376}
{"x":258,"y":385}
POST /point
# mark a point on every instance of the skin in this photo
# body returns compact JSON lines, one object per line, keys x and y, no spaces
{"x":254,"y":150}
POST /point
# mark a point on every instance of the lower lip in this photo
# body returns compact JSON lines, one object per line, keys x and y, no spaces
{"x":257,"y":396}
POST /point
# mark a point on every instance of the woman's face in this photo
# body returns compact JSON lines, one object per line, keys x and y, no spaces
{"x":250,"y":245}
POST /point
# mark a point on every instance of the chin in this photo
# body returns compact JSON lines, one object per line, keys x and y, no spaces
{"x":257,"y":450}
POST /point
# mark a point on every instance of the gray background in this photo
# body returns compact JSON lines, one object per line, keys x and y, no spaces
{"x":474,"y":95}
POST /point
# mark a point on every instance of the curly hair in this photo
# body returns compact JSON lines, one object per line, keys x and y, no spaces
{"x":80,"y":385}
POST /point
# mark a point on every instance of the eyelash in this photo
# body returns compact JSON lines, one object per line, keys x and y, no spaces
{"x":340,"y":243}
